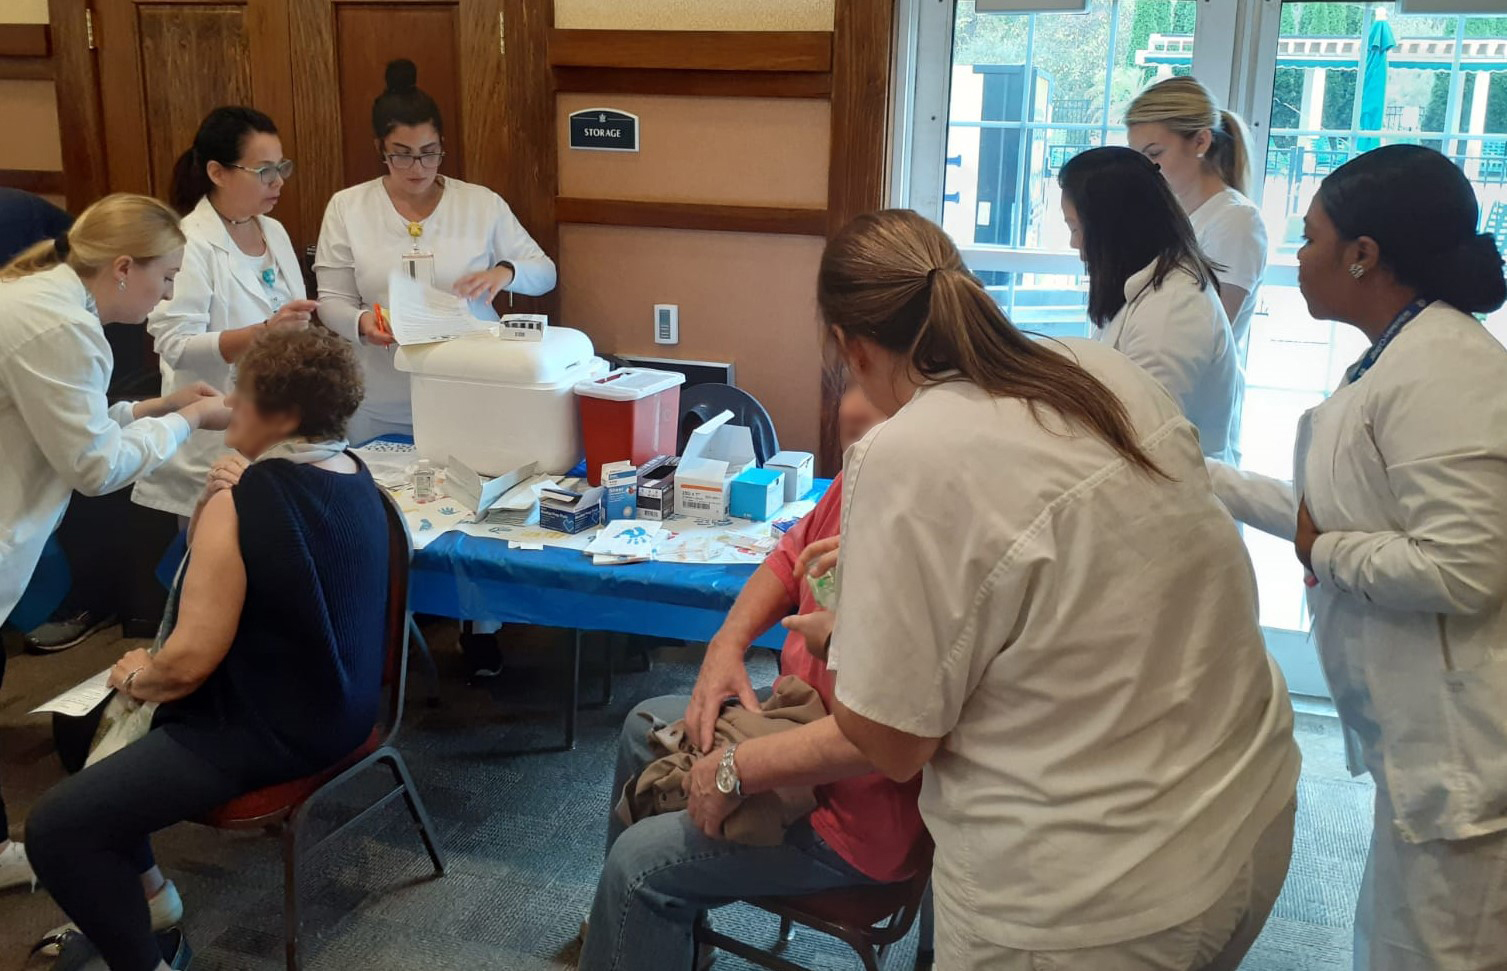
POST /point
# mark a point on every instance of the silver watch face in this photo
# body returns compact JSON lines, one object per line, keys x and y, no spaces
{"x":727,"y":779}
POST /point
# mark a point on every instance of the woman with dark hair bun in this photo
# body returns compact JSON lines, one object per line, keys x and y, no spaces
{"x":1398,"y":510}
{"x":450,"y":234}
{"x":240,"y":278}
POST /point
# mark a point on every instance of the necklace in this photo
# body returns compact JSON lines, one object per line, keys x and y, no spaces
{"x":227,"y":219}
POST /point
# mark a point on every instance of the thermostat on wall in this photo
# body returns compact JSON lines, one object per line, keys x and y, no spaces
{"x":666,"y":323}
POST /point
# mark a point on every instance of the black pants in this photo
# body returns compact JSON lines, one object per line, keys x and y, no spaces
{"x":95,"y":542}
{"x":87,"y":838}
{"x":4,"y":819}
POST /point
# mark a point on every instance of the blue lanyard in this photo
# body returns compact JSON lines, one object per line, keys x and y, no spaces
{"x":1373,"y":353}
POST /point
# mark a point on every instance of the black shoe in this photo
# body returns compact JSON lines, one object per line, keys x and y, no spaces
{"x":175,"y":949}
{"x":61,"y":633}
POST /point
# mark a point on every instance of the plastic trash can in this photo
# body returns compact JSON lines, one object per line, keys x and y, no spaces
{"x":630,"y":414}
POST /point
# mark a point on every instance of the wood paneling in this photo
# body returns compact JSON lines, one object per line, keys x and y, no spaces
{"x":316,"y":116}
{"x":26,"y":69}
{"x":682,"y":215}
{"x":29,"y":180}
{"x":522,"y":161}
{"x":207,"y":44}
{"x":367,"y":36}
{"x":715,"y":84}
{"x":765,"y":152}
{"x":80,"y":122}
{"x":860,"y":108}
{"x":861,"y":58}
{"x":25,"y":40}
{"x":690,"y":50}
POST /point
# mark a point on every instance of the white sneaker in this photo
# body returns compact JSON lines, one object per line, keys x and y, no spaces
{"x":15,"y":871}
{"x":166,"y":908}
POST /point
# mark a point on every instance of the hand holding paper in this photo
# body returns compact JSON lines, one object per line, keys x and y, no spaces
{"x":420,"y":314}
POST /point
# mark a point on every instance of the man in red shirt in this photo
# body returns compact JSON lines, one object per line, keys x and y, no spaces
{"x":662,"y":872}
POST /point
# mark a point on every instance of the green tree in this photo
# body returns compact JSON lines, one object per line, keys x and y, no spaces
{"x":1151,"y":17}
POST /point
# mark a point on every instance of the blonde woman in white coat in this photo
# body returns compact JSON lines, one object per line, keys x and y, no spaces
{"x":58,"y":433}
{"x":451,"y":234}
{"x":1204,"y":153}
{"x":1398,"y":510}
{"x":1153,"y":296}
{"x":240,"y":277}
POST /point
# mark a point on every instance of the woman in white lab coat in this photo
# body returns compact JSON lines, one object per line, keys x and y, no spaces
{"x":57,"y":431}
{"x":1152,"y":294}
{"x":1204,"y":154}
{"x":240,"y":277}
{"x":1042,"y":605}
{"x":1398,"y":508}
{"x":451,"y":234}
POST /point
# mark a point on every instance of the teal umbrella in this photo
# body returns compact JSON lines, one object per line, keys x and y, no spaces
{"x":1373,"y":94}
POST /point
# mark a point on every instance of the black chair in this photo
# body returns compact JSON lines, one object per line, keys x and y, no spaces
{"x":867,"y":919}
{"x":700,"y":403}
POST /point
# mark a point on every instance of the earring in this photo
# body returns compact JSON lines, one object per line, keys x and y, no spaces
{"x":1357,"y":271}
{"x":122,"y":282}
{"x":1200,"y":155}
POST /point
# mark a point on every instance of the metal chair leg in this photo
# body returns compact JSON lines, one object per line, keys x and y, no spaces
{"x":573,"y":691}
{"x":416,"y":638}
{"x":416,"y":809}
{"x":291,"y":922}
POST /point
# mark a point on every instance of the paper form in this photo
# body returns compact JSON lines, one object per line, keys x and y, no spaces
{"x":420,"y":314}
{"x":80,"y":699}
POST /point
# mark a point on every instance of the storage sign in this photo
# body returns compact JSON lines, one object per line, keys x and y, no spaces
{"x":604,"y":130}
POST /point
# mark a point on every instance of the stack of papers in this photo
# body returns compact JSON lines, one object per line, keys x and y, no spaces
{"x":420,"y":314}
{"x":478,"y":496}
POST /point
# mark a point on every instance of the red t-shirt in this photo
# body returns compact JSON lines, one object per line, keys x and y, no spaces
{"x":868,"y":820}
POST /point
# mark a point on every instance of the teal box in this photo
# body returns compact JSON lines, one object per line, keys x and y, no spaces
{"x":758,"y":494}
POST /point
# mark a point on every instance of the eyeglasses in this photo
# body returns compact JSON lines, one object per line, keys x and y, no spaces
{"x":429,"y":160}
{"x":270,"y":172}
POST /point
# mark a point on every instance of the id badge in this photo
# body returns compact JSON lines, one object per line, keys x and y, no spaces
{"x":419,"y":266}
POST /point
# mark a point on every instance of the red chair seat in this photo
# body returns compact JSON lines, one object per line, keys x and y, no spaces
{"x":283,"y":798}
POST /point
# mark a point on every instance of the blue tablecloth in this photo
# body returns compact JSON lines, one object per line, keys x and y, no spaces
{"x":469,"y":577}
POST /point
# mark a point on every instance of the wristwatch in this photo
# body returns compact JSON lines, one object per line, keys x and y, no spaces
{"x":728,"y":782}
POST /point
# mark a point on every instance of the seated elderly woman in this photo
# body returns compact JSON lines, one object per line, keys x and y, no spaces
{"x":273,"y":670}
{"x":664,"y":870}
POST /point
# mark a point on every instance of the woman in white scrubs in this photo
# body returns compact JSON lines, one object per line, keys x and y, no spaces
{"x":240,"y":278}
{"x":1152,"y":295}
{"x":1398,"y":509}
{"x":57,"y":432}
{"x":1041,"y":602}
{"x":451,"y":234}
{"x":1204,"y":153}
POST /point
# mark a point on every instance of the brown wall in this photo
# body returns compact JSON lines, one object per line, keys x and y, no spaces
{"x":749,"y":299}
{"x":29,"y":107}
{"x":743,"y":297}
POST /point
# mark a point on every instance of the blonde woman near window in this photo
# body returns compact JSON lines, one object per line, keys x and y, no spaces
{"x":1204,"y":153}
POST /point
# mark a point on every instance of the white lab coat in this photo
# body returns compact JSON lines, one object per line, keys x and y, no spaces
{"x":57,"y":432}
{"x":1180,"y":335}
{"x":214,"y":292}
{"x":1231,"y":233}
{"x":1405,"y":475}
{"x":363,"y":241}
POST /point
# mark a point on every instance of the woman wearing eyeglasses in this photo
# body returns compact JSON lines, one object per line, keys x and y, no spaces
{"x":450,"y":234}
{"x":240,"y":277}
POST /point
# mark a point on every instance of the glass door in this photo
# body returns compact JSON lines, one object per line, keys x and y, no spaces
{"x":1345,"y":78}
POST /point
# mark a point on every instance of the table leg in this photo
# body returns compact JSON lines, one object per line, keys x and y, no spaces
{"x":416,"y":637}
{"x":573,"y":693}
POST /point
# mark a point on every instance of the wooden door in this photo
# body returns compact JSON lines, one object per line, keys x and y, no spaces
{"x":163,"y":64}
{"x":343,"y":48}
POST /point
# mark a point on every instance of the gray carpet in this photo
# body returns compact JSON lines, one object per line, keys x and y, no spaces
{"x":523,"y":837}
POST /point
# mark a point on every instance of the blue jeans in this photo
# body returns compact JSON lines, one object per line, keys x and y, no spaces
{"x":663,"y":872}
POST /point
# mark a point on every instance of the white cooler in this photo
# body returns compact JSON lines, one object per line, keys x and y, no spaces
{"x":499,"y":404}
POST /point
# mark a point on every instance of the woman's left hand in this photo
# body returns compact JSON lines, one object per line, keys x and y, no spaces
{"x":225,"y":473}
{"x":133,"y":661}
{"x":484,"y":285}
{"x":1307,"y":535}
{"x":708,"y":807}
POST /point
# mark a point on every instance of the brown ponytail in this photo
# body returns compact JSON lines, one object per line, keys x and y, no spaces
{"x":896,"y":279}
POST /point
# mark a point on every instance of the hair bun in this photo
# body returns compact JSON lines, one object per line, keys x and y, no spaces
{"x":1470,"y":276}
{"x":402,"y":76}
